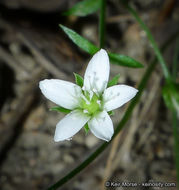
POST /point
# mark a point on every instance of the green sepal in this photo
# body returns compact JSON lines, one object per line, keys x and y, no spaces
{"x":90,"y":48}
{"x":86,"y":128}
{"x":113,"y":81}
{"x":78,"y":79}
{"x":84,"y":8}
{"x":80,"y":41}
{"x":111,"y":113}
{"x":170,"y":94}
{"x":60,"y":109}
{"x":124,"y":60}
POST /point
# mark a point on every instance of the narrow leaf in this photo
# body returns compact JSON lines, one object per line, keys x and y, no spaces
{"x":60,"y":109}
{"x":113,"y":81}
{"x":92,"y":49}
{"x":84,"y":8}
{"x":124,"y":60}
{"x":78,"y":80}
{"x":80,"y":41}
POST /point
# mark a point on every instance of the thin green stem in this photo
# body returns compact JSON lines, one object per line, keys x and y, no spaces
{"x":152,"y":41}
{"x":174,"y":113}
{"x":124,"y":120}
{"x":175,"y":60}
{"x":176,"y":143}
{"x":102,"y":23}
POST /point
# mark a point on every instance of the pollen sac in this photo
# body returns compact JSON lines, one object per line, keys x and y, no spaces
{"x":90,"y":103}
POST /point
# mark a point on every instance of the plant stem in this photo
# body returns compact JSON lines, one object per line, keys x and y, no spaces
{"x":174,"y":113}
{"x":175,"y":60}
{"x":102,"y":23}
{"x":124,"y":120}
{"x":152,"y":41}
{"x":176,"y":143}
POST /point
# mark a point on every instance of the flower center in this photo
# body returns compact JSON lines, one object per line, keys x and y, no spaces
{"x":90,"y":103}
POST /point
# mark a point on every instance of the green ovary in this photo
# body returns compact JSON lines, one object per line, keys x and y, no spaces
{"x":92,"y":106}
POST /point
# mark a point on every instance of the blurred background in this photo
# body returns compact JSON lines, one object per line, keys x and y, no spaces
{"x":32,"y":48}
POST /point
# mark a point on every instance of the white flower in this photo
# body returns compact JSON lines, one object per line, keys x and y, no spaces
{"x":89,"y":104}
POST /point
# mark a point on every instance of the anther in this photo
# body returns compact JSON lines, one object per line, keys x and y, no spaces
{"x":85,"y":111}
{"x":98,"y":102}
{"x":94,"y":90}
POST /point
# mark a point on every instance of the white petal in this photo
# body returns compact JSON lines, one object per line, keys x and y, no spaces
{"x":97,"y":72}
{"x":101,"y":126}
{"x":117,"y":95}
{"x":63,"y":93}
{"x":70,"y":125}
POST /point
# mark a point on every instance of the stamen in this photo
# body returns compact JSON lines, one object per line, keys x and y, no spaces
{"x":85,"y":111}
{"x":96,"y":92}
{"x":91,"y":94}
{"x":98,"y":102}
{"x":87,"y":102}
